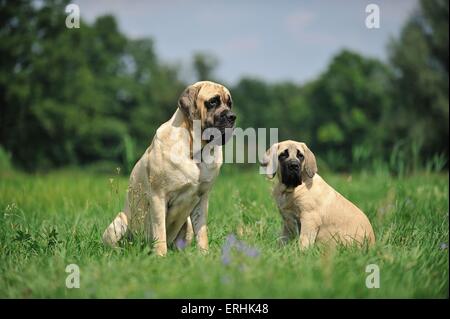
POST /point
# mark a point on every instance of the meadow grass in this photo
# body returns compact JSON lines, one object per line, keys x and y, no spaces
{"x":48,"y":221}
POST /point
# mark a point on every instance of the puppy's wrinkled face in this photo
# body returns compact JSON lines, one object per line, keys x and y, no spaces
{"x":291,"y":160}
{"x":215,"y":105}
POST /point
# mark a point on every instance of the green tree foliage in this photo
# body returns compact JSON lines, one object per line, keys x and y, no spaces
{"x":281,"y":105}
{"x":338,"y":112}
{"x":73,"y":96}
{"x":204,"y":65}
{"x":420,"y":116}
{"x":349,"y":100}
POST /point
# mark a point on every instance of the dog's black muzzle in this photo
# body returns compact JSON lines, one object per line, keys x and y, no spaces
{"x":225,"y":124}
{"x":226,"y":120}
{"x":290,"y":173}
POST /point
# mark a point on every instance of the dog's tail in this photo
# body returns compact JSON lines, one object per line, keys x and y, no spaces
{"x":116,"y":230}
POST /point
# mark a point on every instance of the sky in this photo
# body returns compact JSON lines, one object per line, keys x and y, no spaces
{"x":273,"y":40}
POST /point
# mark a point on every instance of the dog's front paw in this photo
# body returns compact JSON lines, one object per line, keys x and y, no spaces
{"x":160,"y":249}
{"x":203,"y":249}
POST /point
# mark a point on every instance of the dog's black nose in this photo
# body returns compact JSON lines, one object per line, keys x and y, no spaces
{"x":293,"y":166}
{"x":231,"y":116}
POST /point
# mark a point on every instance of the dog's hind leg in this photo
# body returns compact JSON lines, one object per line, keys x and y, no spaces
{"x":116,"y":230}
{"x":185,"y":236}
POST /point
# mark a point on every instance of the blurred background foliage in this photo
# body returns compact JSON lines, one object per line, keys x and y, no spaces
{"x":93,"y":97}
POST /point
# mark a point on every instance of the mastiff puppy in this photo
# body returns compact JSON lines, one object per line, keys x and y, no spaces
{"x":311,"y":209}
{"x":167,"y":197}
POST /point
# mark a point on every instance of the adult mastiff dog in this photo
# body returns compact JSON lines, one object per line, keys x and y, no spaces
{"x":167,"y":197}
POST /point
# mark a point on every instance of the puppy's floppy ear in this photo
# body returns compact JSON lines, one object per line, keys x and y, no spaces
{"x":269,"y":162}
{"x":187,"y":101}
{"x":310,"y":161}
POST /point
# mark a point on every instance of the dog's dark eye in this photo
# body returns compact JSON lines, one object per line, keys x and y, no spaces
{"x":230,"y":102}
{"x":283,"y":155}
{"x":300,"y":155}
{"x":212,"y":103}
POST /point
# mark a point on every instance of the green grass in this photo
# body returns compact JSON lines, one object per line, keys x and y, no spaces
{"x":52,"y":220}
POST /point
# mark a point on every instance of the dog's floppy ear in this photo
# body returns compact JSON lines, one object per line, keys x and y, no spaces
{"x":310,"y":161}
{"x":270,"y":161}
{"x":187,"y":101}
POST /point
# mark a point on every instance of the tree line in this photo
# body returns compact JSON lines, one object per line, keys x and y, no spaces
{"x":92,"y":96}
